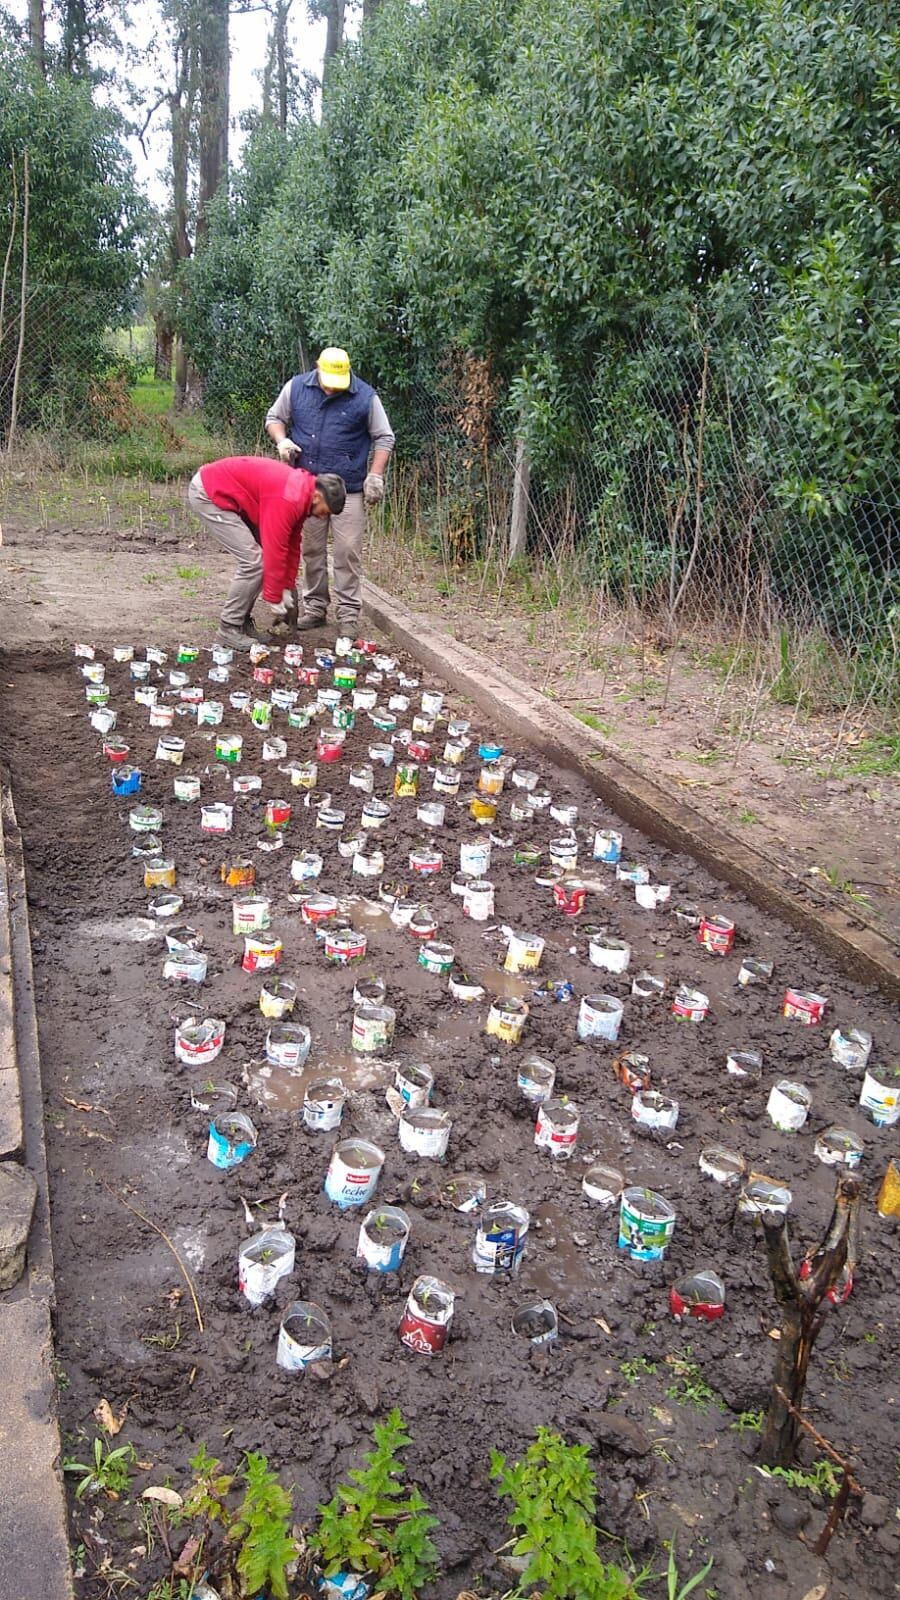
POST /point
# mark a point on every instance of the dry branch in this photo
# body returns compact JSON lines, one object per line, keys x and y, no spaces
{"x":803,"y":1300}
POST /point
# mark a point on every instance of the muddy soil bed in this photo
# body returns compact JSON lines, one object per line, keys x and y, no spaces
{"x":120,"y":1122}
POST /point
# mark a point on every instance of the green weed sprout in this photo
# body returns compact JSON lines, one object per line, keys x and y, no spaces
{"x":263,"y":1527}
{"x":110,"y":1470}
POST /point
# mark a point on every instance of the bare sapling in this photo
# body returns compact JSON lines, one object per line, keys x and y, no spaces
{"x":804,"y":1299}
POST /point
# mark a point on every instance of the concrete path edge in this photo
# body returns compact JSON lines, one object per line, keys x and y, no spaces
{"x":521,"y":710}
{"x":34,"y":1538}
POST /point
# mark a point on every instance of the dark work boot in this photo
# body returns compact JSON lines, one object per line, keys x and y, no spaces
{"x":232,"y":638}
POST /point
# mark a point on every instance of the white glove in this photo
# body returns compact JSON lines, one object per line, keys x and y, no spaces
{"x":373,"y":489}
{"x":288,"y":451}
{"x":287,"y":608}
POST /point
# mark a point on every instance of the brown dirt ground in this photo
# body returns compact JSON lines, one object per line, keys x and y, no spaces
{"x":662,"y":1409}
{"x":131,"y":564}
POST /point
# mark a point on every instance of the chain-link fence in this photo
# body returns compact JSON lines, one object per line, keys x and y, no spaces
{"x":674,"y":485}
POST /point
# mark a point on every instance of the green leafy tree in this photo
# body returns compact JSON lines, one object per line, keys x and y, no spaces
{"x":620,"y":207}
{"x":85,"y":226}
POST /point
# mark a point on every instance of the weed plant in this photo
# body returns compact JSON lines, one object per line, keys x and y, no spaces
{"x":554,"y":1500}
{"x":109,"y":1470}
{"x":821,"y":1478}
{"x":375,"y":1525}
{"x":263,"y":1528}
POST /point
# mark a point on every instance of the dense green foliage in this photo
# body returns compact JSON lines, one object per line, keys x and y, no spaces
{"x":84,"y":225}
{"x":592,"y":195}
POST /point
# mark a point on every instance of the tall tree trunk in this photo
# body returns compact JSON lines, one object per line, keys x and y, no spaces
{"x":188,"y":384}
{"x":182,"y":100}
{"x":164,"y":348}
{"x":276,"y":75}
{"x":36,"y":33}
{"x":214,"y":65}
{"x":333,"y":11}
{"x":281,"y":59}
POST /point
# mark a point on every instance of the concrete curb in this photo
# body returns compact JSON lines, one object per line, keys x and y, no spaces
{"x":639,"y":801}
{"x":33,"y":1529}
{"x":12,"y":1132}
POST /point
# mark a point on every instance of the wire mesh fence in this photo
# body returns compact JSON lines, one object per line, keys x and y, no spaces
{"x":677,"y":491}
{"x":672,"y":485}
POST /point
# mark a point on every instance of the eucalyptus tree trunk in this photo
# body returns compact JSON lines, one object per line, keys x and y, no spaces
{"x":213,"y":142}
{"x":36,"y":34}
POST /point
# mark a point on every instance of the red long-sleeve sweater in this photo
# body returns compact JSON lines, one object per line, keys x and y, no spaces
{"x":274,"y":499}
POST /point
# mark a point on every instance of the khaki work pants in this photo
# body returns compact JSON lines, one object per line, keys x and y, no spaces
{"x":348,"y":533}
{"x":235,"y":537}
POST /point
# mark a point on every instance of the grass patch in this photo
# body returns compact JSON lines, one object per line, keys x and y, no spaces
{"x":822,"y":1477}
{"x":749,"y":1422}
{"x":640,"y":1367}
{"x":590,"y":721}
{"x":876,"y":757}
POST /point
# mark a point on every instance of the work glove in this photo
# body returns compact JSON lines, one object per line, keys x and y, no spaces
{"x":289,"y":452}
{"x":373,"y":489}
{"x":284,"y":615}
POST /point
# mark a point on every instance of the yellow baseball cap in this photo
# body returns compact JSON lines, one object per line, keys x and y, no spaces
{"x":334,"y":368}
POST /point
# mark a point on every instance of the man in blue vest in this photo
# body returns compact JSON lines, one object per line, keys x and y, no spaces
{"x":328,"y":420}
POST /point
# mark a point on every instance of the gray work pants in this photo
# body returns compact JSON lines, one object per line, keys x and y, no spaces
{"x":234,"y":536}
{"x":348,"y":533}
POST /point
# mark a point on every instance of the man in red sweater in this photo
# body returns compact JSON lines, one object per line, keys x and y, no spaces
{"x":255,"y":509}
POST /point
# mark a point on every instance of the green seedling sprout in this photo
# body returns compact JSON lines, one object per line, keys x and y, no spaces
{"x":110,"y":1470}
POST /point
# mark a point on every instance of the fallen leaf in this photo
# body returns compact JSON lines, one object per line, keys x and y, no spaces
{"x":109,"y":1422}
{"x":774,"y":1333}
{"x":166,"y":1497}
{"x":602,"y":1323}
{"x":818,"y":1593}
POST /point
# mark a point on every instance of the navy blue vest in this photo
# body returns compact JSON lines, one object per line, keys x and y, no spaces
{"x":332,"y":430}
